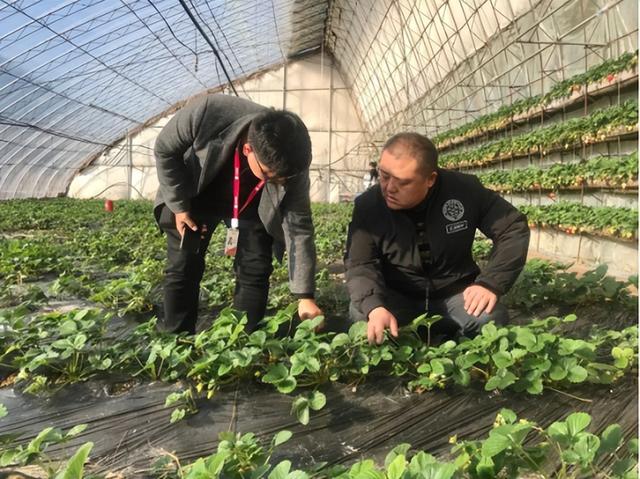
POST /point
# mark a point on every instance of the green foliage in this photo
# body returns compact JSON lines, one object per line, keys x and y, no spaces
{"x":543,"y":283}
{"x":618,"y":172}
{"x":57,"y":348}
{"x":513,"y":448}
{"x":577,"y":218}
{"x":563,"y":135}
{"x":33,"y":451}
{"x":503,"y":116}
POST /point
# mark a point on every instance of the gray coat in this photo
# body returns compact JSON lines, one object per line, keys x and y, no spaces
{"x":192,"y":148}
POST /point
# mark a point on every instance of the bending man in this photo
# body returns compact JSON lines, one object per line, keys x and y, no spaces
{"x":222,"y":158}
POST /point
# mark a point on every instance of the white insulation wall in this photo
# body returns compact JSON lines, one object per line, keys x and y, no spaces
{"x":310,"y":87}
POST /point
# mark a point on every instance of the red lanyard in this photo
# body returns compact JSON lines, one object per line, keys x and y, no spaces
{"x":236,"y":190}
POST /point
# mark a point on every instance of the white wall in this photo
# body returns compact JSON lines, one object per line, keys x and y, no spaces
{"x":311,"y":87}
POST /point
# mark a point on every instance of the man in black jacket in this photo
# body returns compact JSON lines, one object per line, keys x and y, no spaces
{"x":222,"y":158}
{"x":410,"y":239}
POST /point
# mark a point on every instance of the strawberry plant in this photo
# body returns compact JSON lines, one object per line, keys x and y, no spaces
{"x":577,"y":218}
{"x":504,"y":115}
{"x":603,"y":171}
{"x":563,"y":135}
{"x":513,"y":448}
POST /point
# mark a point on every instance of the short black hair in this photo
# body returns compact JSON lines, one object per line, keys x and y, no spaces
{"x":281,"y":142}
{"x":419,"y":147}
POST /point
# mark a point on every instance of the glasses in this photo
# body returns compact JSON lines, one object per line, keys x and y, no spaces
{"x":269,"y":177}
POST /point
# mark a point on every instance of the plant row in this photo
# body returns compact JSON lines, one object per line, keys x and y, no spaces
{"x":116,"y":259}
{"x":121,"y":267}
{"x":603,"y":171}
{"x":589,"y":129}
{"x":577,"y":218}
{"x":54,"y":349}
{"x":512,"y":448}
{"x":504,"y":115}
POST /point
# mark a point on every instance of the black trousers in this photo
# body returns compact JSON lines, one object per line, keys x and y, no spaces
{"x":455,"y":319}
{"x":252,"y":266}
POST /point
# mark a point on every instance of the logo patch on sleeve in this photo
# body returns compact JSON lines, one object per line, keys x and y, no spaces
{"x":455,"y":227}
{"x":453,"y":210}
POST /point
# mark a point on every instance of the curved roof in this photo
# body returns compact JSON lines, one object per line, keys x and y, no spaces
{"x":75,"y":75}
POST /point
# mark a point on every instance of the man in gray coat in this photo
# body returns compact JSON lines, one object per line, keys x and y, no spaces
{"x":222,"y":158}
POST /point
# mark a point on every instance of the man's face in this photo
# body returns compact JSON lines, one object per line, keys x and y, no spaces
{"x":403,"y":184}
{"x":258,"y":169}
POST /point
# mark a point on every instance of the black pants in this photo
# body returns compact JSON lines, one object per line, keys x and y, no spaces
{"x":455,"y":320}
{"x":252,"y":266}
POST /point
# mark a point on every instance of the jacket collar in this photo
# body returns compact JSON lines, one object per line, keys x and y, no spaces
{"x":229,"y":138}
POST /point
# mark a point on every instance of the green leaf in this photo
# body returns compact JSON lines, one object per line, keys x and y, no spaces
{"x":68,"y":327}
{"x":558,"y":431}
{"x":508,"y":416}
{"x":495,"y":444}
{"x":536,"y":387}
{"x":177,"y":415}
{"x":275,"y":374}
{"x":75,"y":467}
{"x":461,"y":377}
{"x":437,"y":367}
{"x":439,"y":471}
{"x":281,"y":471}
{"x":298,"y":475}
{"x":74,"y":431}
{"x":281,"y":437}
{"x":317,"y":400}
{"x":524,"y":337}
{"x":302,"y":411}
{"x":340,"y":340}
{"x":577,"y":422}
{"x":558,"y":372}
{"x":502,"y":359}
{"x":399,"y":450}
{"x":3,"y":410}
{"x":287,"y":385}
{"x":621,"y":467}
{"x":577,"y":374}
{"x":215,"y":463}
{"x":46,"y":436}
{"x":586,"y":447}
{"x":365,"y":470}
{"x":420,"y":462}
{"x":397,"y":467}
{"x":611,"y":439}
{"x":358,"y":330}
{"x":485,"y":468}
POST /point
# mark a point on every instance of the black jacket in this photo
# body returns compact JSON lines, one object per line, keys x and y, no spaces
{"x":382,"y":250}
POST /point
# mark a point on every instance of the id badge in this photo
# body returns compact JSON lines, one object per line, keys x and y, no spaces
{"x":231,"y":242}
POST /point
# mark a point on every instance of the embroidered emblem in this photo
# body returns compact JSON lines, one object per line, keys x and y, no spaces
{"x":455,"y":227}
{"x":453,"y":210}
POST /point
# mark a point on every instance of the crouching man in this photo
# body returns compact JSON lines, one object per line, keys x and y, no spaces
{"x":410,"y":240}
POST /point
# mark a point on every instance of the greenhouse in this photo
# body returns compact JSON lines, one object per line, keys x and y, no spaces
{"x":292,"y":239}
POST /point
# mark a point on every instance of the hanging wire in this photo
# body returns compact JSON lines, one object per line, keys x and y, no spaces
{"x":217,"y":44}
{"x":175,"y":57}
{"x":171,"y":30}
{"x":10,"y":122}
{"x":208,"y":40}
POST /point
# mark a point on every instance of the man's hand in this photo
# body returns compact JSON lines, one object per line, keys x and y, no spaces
{"x":380,"y":319}
{"x":478,"y":300}
{"x":184,"y":220}
{"x":308,"y":309}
